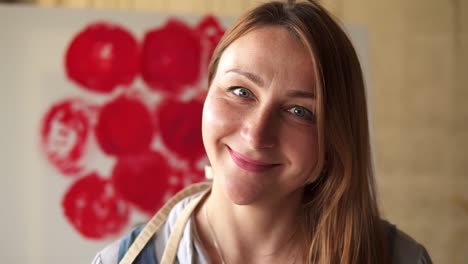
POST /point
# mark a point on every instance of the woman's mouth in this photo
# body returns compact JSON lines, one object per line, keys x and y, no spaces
{"x":248,"y":164}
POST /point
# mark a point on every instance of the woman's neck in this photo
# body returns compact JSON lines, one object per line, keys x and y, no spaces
{"x":263,"y":232}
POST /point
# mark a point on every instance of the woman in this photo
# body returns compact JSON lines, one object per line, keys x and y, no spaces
{"x":286,"y":131}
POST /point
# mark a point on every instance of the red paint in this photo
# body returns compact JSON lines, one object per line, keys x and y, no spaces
{"x":64,"y":134}
{"x":195,"y":174}
{"x":171,"y":57}
{"x":143,"y":179}
{"x":180,"y":127}
{"x":101,"y":57}
{"x":211,"y":33}
{"x":200,"y":96}
{"x":94,"y":209}
{"x":124,"y":126}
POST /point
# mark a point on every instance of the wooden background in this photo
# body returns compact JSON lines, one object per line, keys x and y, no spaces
{"x":419,"y":73}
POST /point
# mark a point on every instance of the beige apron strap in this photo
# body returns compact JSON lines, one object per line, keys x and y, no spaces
{"x":172,"y":244}
{"x":160,"y":217}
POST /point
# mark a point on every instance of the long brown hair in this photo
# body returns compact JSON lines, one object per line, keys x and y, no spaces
{"x":340,"y":213}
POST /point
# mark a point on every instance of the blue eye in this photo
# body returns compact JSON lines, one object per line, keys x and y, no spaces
{"x":241,"y":92}
{"x":302,"y":112}
{"x":298,"y":111}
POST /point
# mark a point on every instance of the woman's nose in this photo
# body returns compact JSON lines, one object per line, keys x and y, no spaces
{"x":259,"y":130}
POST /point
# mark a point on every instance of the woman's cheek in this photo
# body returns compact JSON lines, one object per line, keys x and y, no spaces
{"x":218,"y":114}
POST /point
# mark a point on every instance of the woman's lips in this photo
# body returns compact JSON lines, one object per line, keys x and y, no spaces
{"x":248,"y":164}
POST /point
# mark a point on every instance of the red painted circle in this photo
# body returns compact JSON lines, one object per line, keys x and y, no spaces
{"x":94,"y":209}
{"x":143,"y":179}
{"x":101,"y":57}
{"x":64,"y":134}
{"x":211,"y":31}
{"x":171,"y":57}
{"x":124,"y":126}
{"x":180,"y":127}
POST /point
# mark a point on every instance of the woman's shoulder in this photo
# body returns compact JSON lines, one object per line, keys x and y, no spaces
{"x":108,"y":255}
{"x":112,"y":253}
{"x":406,"y":250}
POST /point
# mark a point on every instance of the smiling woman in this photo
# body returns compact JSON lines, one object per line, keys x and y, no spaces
{"x":286,"y":132}
{"x":260,"y":137}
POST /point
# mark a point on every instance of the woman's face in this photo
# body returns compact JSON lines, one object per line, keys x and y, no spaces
{"x":258,"y":123}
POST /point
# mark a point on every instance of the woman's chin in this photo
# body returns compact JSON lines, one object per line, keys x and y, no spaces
{"x":242,"y":192}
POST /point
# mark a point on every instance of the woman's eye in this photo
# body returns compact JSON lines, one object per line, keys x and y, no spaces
{"x":241,"y":92}
{"x":302,"y":112}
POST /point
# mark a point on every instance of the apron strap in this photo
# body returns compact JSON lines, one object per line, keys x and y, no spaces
{"x":172,"y":244}
{"x":160,"y":217}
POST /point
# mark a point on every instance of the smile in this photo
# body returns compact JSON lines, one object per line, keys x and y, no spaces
{"x":249,"y":164}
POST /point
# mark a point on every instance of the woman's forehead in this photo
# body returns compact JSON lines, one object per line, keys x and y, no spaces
{"x":268,"y":35}
{"x":268,"y":52}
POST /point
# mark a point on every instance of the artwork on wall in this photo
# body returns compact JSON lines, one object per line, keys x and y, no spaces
{"x":150,"y":128}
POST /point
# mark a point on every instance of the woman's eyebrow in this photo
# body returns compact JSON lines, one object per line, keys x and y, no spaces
{"x":254,"y":78}
{"x":301,"y":94}
{"x":259,"y":81}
